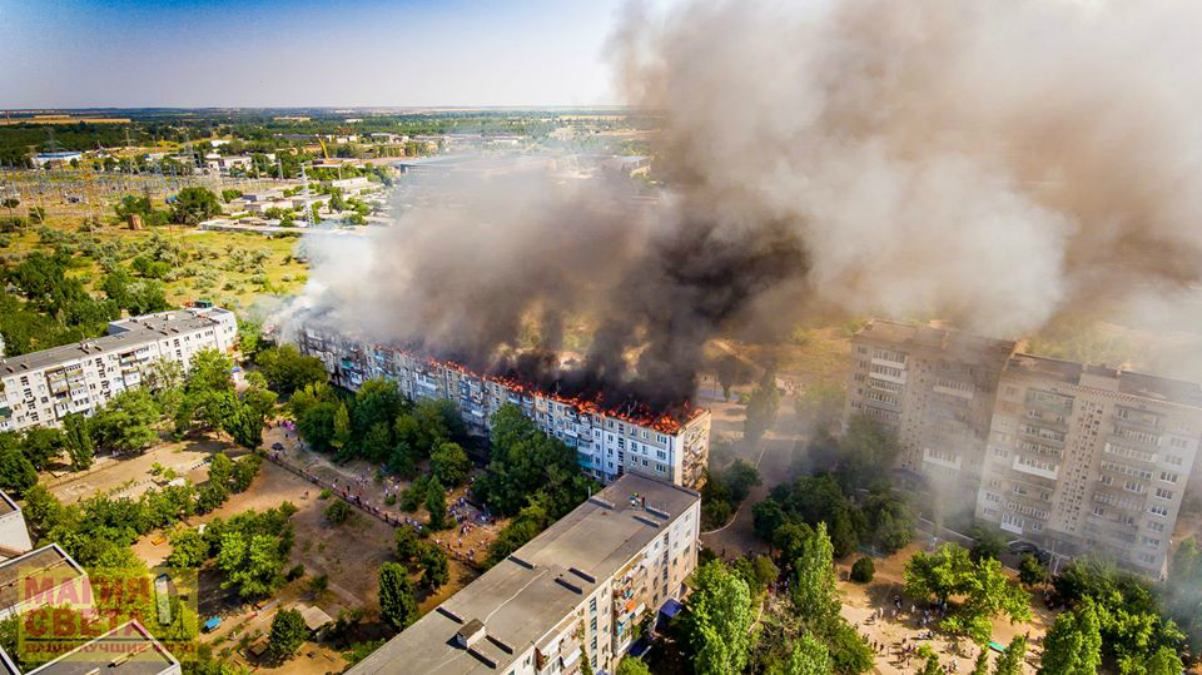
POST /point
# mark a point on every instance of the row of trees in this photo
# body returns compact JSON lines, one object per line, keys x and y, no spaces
{"x":852,"y":493}
{"x":41,"y":306}
{"x":250,"y":549}
{"x":99,"y":531}
{"x":718,"y":631}
{"x":530,"y":475}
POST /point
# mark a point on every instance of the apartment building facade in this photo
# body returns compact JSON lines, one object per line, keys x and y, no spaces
{"x":1086,"y":459}
{"x":40,"y":388}
{"x":935,"y":388}
{"x":572,"y":594}
{"x":608,"y":444}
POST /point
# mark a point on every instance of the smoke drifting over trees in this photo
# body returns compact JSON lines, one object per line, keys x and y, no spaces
{"x":990,"y":162}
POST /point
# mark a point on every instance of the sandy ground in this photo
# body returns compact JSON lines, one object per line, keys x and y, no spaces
{"x":322,"y":549}
{"x":131,"y":476}
{"x":860,"y":601}
{"x":469,"y":542}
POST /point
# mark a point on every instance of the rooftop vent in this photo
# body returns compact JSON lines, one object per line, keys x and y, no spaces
{"x":521,"y":562}
{"x":601,"y":502}
{"x":471,"y":633}
{"x":658,"y":512}
{"x":583,"y":575}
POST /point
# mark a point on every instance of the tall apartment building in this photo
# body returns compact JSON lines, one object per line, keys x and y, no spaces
{"x":40,"y":388}
{"x":1086,"y":459}
{"x":608,"y":443}
{"x":935,"y":388}
{"x":574,"y":592}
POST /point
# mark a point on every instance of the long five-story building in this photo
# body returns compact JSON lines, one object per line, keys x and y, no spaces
{"x":608,"y":443}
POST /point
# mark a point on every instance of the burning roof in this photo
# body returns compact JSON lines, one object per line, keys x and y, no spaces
{"x":668,"y":420}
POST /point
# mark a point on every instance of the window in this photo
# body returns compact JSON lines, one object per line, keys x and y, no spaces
{"x":887,"y":371}
{"x":1162,"y":493}
{"x":1159,"y":510}
{"x":1169,"y":476}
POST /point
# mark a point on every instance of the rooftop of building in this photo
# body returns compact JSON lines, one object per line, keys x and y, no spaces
{"x":50,"y":561}
{"x":7,"y":505}
{"x":925,"y":336}
{"x":128,"y":649}
{"x":1151,"y":387}
{"x":123,"y":333}
{"x":7,"y":666}
{"x":526,"y":596}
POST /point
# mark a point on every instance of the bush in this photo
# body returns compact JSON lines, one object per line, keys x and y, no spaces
{"x":325,"y":493}
{"x":863,"y":570}
{"x":337,"y":512}
{"x":295,"y":573}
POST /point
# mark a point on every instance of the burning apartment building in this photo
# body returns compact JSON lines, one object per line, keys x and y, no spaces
{"x":1074,"y":458}
{"x":672,"y":446}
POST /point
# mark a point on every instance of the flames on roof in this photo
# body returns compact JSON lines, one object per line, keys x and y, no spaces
{"x":585,"y":399}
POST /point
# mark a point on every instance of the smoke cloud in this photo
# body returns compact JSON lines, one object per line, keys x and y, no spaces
{"x":995,"y":163}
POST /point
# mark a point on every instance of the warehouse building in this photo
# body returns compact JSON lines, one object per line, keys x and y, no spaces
{"x":572,"y":594}
{"x":40,"y":388}
{"x":608,"y":443}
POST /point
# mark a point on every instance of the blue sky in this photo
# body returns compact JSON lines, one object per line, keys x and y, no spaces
{"x":188,"y":53}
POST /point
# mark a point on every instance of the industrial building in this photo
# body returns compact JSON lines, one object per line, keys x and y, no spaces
{"x":935,"y":388}
{"x":1074,"y":458}
{"x":40,"y":388}
{"x":609,"y":443}
{"x":572,"y":594}
{"x":1086,"y":459}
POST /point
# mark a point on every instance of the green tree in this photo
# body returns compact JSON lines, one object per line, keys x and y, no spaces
{"x":337,"y":512}
{"x":1032,"y":572}
{"x":718,"y":620}
{"x":981,"y":665}
{"x":632,"y":665}
{"x":398,"y":606}
{"x":436,"y":504}
{"x":287,"y":370}
{"x":407,"y":544}
{"x":252,"y":564}
{"x":815,"y":595}
{"x":862,"y":570}
{"x":78,"y":441}
{"x":435,"y":570}
{"x":984,"y":587}
{"x":194,"y":205}
{"x":126,"y":422}
{"x":16,"y":472}
{"x":189,"y":548}
{"x":449,"y":464}
{"x":342,"y":429}
{"x":1074,"y":645}
{"x":288,"y":632}
{"x":1011,"y":661}
{"x":807,"y":657}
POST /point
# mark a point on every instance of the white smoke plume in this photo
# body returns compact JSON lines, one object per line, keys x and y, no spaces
{"x":992,"y":162}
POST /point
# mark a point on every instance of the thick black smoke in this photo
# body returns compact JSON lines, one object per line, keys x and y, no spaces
{"x":993,"y":163}
{"x":466,"y":276}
